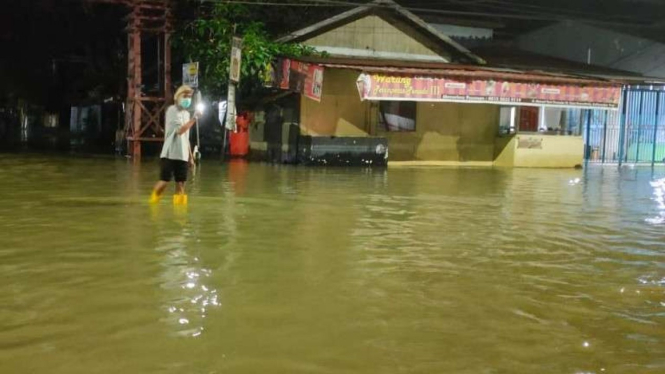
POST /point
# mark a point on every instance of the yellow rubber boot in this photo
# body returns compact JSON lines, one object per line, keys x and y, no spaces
{"x":154,"y":197}
{"x":180,"y":199}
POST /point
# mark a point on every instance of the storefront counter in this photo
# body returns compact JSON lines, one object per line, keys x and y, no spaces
{"x":538,"y":150}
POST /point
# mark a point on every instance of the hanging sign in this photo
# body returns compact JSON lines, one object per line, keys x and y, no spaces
{"x":314,"y":82}
{"x":409,"y":88}
{"x":283,"y":73}
{"x":230,"y":122}
{"x":236,"y":60}
{"x":190,"y":74}
{"x":301,"y":77}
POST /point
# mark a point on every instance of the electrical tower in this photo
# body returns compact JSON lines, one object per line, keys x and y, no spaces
{"x":149,"y":90}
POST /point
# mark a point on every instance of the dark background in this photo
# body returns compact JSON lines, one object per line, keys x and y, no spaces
{"x":62,"y":53}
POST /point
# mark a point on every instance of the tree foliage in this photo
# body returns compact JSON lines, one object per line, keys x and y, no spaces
{"x":207,"y":39}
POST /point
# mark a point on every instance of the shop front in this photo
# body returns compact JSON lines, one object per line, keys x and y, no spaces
{"x":459,"y":116}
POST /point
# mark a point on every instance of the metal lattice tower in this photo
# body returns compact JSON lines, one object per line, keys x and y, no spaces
{"x":144,"y":114}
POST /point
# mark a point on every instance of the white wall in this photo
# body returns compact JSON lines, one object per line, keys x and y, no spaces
{"x":373,"y":37}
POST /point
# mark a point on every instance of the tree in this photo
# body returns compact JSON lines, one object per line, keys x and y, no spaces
{"x":207,"y":39}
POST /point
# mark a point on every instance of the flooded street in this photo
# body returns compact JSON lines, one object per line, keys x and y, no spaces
{"x":276,"y":269}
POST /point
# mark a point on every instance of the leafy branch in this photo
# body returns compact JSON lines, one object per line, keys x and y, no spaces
{"x":207,"y":39}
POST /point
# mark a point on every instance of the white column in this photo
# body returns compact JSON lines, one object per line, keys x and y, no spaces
{"x":542,"y":123}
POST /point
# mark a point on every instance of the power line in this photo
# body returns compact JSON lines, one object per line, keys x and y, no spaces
{"x":532,"y":16}
{"x":313,"y":3}
{"x":539,"y":8}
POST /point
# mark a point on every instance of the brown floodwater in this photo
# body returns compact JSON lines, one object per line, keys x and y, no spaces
{"x":279,"y":269}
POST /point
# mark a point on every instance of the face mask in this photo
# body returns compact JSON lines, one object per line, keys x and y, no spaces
{"x":186,"y":102}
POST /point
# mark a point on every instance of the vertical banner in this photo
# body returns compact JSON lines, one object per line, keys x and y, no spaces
{"x":231,"y":108}
{"x":236,"y":60}
{"x":314,"y":83}
{"x":190,"y":74}
{"x":284,"y":73}
{"x":234,"y":77}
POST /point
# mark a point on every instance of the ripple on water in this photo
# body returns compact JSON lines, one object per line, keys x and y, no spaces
{"x":404,"y":270}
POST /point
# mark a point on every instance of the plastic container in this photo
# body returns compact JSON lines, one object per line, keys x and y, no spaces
{"x":239,"y":140}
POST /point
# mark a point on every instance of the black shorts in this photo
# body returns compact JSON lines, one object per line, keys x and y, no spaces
{"x":173,"y":168}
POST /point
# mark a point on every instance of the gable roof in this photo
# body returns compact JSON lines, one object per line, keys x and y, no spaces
{"x":400,"y":18}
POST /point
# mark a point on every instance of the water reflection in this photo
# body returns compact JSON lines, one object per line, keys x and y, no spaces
{"x":659,"y":197}
{"x":282,"y":269}
{"x":189,"y":294}
{"x":237,"y":175}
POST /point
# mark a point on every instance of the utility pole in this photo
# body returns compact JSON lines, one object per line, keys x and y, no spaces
{"x":234,"y":78}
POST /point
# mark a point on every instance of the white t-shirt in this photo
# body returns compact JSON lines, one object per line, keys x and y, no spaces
{"x":176,"y":147}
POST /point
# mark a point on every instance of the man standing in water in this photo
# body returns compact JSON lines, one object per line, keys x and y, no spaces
{"x":176,"y":151}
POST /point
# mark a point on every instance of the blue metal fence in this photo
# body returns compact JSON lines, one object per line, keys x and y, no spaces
{"x":601,"y":135}
{"x":634,"y":134}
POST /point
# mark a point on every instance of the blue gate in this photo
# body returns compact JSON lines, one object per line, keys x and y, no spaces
{"x":634,"y":134}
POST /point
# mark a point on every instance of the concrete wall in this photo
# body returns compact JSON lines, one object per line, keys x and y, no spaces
{"x":372,"y":37}
{"x":548,"y":151}
{"x":340,"y":112}
{"x":572,"y":40}
{"x":444,"y":131}
{"x":504,"y":151}
{"x":447,"y":132}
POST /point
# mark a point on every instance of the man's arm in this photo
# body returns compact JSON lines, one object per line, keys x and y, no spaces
{"x":191,"y":155}
{"x":184,"y":128}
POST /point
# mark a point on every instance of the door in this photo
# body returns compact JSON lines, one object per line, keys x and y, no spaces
{"x":529,"y":119}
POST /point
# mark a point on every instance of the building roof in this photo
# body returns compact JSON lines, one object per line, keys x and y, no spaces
{"x":502,"y":56}
{"x":461,"y":71}
{"x":396,"y":15}
{"x":507,"y":56}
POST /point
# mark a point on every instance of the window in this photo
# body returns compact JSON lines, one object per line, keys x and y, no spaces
{"x":554,"y":121}
{"x":551,"y":119}
{"x":51,"y":120}
{"x":507,"y":120}
{"x":398,"y":116}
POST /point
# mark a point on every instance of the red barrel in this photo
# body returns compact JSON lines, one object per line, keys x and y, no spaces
{"x":239,"y":140}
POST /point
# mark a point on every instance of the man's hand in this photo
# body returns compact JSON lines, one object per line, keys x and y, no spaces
{"x":192,"y":163}
{"x":184,"y":128}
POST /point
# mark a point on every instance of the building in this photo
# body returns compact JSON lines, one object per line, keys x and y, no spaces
{"x":636,"y":133}
{"x":390,"y":80}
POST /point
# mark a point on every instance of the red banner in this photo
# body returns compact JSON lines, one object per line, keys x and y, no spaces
{"x":301,"y":77}
{"x":391,"y":88}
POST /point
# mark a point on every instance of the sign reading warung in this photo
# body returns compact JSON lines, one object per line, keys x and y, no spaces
{"x":383,"y":87}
